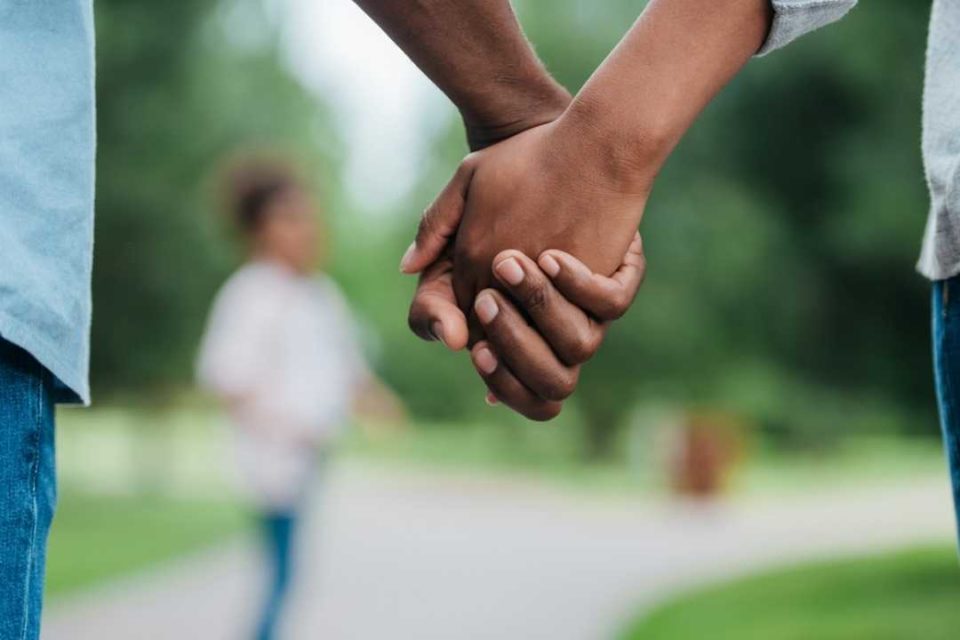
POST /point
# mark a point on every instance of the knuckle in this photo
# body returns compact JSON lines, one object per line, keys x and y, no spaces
{"x":584,"y":345}
{"x":416,"y":323}
{"x":560,"y":387}
{"x":473,"y":253}
{"x":419,"y":318}
{"x":535,"y":297}
{"x":466,"y":166}
{"x":594,"y":341}
{"x":428,"y":225}
{"x":544,"y":412}
{"x":468,"y":252}
{"x":617,"y":305}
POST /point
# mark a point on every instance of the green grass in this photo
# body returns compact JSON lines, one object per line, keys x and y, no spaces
{"x":117,"y":446}
{"x":552,"y":453}
{"x":904,"y":596}
{"x":99,"y":537}
{"x":537,"y":451}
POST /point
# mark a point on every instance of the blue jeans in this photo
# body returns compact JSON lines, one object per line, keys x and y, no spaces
{"x":946,"y":361}
{"x":27,"y":489}
{"x":278,"y":534}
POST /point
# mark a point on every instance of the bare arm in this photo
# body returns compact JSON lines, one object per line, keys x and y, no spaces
{"x":476,"y":53}
{"x":640,"y":102}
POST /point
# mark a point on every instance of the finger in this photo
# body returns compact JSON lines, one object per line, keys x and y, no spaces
{"x":631,"y":272}
{"x":439,"y":222}
{"x":572,"y":334}
{"x":505,"y":388}
{"x":603,"y":297}
{"x":522,"y":349}
{"x":465,"y":292}
{"x":434,"y":314}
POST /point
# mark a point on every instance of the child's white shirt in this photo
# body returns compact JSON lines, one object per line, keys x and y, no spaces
{"x":282,"y":349}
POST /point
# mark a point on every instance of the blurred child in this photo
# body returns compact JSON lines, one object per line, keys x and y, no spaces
{"x":281,"y":353}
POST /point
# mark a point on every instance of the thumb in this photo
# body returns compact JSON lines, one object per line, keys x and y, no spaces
{"x":439,"y":222}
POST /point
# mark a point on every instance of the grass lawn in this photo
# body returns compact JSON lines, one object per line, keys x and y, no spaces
{"x":98,"y":537}
{"x":903,"y":596}
{"x":550,"y":453}
{"x":184,"y":448}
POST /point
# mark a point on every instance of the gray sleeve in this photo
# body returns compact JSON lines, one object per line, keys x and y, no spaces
{"x":795,"y":18}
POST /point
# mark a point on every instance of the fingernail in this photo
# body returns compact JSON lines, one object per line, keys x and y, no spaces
{"x":511,"y":271}
{"x":437,"y":330}
{"x":550,"y":265}
{"x":485,"y":360}
{"x":491,"y":399}
{"x":486,"y":308}
{"x":407,"y":258}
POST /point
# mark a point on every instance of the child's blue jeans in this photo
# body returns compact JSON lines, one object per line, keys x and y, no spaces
{"x":946,"y":360}
{"x":278,"y":533}
{"x":27,"y":489}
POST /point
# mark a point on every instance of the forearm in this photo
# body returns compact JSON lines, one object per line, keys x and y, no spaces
{"x":651,"y":88}
{"x":476,"y":53}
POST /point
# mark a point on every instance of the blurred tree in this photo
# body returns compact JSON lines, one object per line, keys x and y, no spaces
{"x":180,"y":85}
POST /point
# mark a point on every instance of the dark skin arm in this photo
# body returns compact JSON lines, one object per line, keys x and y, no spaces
{"x":476,"y":53}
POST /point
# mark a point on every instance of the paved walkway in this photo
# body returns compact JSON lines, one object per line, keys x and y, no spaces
{"x":411,"y":557}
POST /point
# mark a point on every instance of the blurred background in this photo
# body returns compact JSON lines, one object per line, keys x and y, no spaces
{"x":767,"y":403}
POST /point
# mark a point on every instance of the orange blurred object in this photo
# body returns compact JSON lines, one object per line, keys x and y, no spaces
{"x":705,"y":454}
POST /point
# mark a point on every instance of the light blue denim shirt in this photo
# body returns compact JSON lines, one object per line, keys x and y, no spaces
{"x":46,"y":183}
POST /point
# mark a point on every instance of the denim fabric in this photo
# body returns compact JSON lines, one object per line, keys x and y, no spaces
{"x":28,"y":497}
{"x":46,"y":182}
{"x":278,"y":532}
{"x":946,"y":360}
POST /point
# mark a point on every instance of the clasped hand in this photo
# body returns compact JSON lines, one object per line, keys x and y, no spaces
{"x":525,"y":256}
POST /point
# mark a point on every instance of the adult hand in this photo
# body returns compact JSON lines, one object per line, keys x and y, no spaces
{"x":532,"y":367}
{"x":548,"y":187}
{"x":526,"y":110}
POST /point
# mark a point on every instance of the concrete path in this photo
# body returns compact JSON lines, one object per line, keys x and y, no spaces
{"x":416,"y":557}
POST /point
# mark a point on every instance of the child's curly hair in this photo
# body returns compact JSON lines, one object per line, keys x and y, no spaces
{"x":249,"y":183}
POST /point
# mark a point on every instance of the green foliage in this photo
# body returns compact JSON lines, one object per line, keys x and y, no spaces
{"x":95,"y":538}
{"x":780,"y":238}
{"x":903,"y":596}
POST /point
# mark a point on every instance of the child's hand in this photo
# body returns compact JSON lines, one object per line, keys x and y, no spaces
{"x":380,"y":411}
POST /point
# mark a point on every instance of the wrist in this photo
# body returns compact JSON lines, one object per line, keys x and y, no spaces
{"x":512,"y":106}
{"x":629,"y":151}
